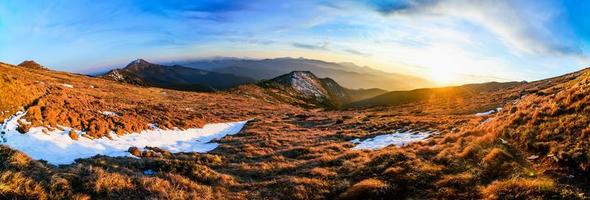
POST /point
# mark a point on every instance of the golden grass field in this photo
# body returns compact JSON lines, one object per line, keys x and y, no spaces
{"x":536,"y":147}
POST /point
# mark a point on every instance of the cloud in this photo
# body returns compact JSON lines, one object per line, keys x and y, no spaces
{"x":399,"y":6}
{"x":253,"y":41}
{"x":215,"y":11}
{"x":524,"y":28}
{"x":355,"y":52}
{"x":321,"y":46}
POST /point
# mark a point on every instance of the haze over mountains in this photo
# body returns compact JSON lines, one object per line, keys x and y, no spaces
{"x":348,"y":75}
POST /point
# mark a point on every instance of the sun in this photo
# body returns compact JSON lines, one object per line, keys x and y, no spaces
{"x":443,"y":77}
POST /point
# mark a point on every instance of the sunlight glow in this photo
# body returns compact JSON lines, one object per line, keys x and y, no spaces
{"x":443,"y":77}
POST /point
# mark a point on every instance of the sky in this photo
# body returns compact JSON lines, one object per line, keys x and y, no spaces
{"x":447,"y":41}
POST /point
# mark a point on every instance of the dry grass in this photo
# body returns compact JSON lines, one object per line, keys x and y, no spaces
{"x":17,"y":185}
{"x":17,"y":89}
{"x":294,"y":153}
{"x":520,"y":188}
{"x":366,"y":189}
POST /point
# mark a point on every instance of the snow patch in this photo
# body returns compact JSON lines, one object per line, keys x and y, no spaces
{"x":137,"y":61}
{"x":58,"y":148}
{"x":149,"y":172}
{"x":486,"y":121}
{"x":109,"y":113}
{"x":67,"y":85}
{"x":488,"y":112}
{"x":116,"y":75}
{"x":397,"y":139}
{"x":305,"y":83}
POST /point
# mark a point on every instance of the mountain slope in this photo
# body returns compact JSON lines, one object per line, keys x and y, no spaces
{"x":54,"y":99}
{"x":305,"y":89}
{"x":347,"y":74}
{"x":482,"y":95}
{"x":141,"y":72}
{"x":445,"y":94}
{"x":550,"y":126}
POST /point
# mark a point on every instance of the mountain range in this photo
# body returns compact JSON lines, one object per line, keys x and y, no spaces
{"x":297,"y":87}
{"x":348,"y":75}
{"x":301,"y":88}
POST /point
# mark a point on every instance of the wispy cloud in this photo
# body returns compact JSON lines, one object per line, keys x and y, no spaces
{"x":525,"y":29}
{"x":399,"y":6}
{"x":321,"y":46}
{"x":355,"y":52}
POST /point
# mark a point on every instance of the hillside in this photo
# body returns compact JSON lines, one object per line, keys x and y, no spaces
{"x":347,"y":74}
{"x":535,"y":147}
{"x":449,"y":95}
{"x":141,"y":72}
{"x":57,"y":98}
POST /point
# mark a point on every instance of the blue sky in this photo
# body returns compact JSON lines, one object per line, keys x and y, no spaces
{"x":449,"y":41}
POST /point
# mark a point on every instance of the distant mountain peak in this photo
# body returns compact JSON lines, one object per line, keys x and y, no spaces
{"x":303,"y":81}
{"x":140,"y":61}
{"x":296,"y":75}
{"x":140,"y":64}
{"x":309,"y":88}
{"x":31,"y":64}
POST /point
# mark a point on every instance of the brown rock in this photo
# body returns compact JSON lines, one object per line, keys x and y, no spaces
{"x":23,"y":127}
{"x":135,"y":151}
{"x":120,"y":131}
{"x":73,"y":134}
{"x":513,"y":109}
{"x":148,"y":154}
{"x":160,"y":151}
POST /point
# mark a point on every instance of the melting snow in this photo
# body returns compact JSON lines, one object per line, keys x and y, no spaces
{"x":149,"y":172}
{"x":488,"y":112}
{"x":382,"y":141}
{"x":109,"y":113}
{"x":67,"y":85}
{"x":486,"y":121}
{"x":58,"y":148}
{"x":116,"y":75}
{"x":303,"y":82}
